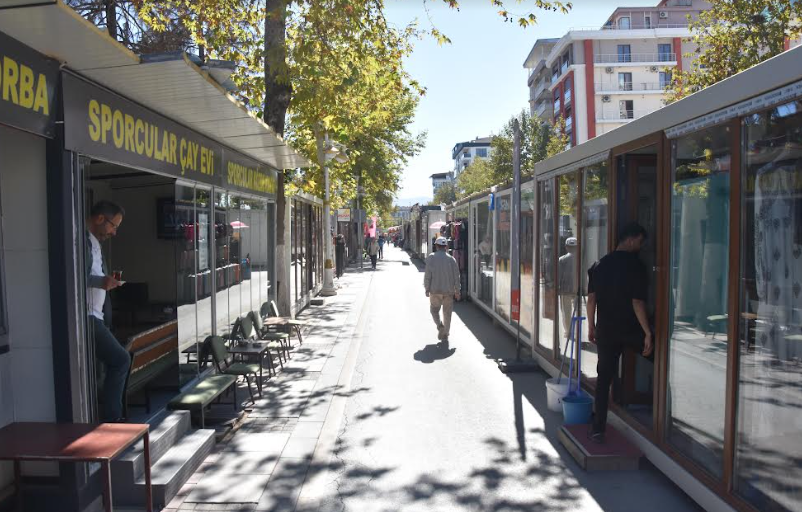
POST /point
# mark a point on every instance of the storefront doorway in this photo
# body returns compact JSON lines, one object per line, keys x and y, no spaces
{"x":636,"y":201}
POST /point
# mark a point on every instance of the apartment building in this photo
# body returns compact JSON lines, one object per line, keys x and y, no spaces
{"x":464,"y":153}
{"x":599,"y":78}
{"x":539,"y":79}
{"x":439,"y":179}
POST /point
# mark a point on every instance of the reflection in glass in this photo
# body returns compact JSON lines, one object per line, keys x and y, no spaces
{"x":222,"y":244}
{"x":246,"y":233}
{"x":187,"y":277}
{"x":204,"y":261}
{"x":698,"y":296}
{"x":768,"y":471}
{"x":527,"y":248}
{"x":268,"y":289}
{"x":568,"y":255}
{"x":484,"y":253}
{"x":294,"y":252}
{"x":547,"y":293}
{"x":233,"y":270}
{"x":595,"y":188}
{"x":503,"y":241}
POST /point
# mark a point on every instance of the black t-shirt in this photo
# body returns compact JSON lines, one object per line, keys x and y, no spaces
{"x":617,"y":279}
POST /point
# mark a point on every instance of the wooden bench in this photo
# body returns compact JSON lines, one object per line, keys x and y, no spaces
{"x":202,"y":394}
{"x":152,"y":353}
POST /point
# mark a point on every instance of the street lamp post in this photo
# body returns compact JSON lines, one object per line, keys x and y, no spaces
{"x":326,"y":152}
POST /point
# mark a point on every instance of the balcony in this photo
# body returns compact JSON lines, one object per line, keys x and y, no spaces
{"x":602,"y":59}
{"x":539,"y":110}
{"x":641,"y":26}
{"x":620,"y":116}
{"x":627,"y":87}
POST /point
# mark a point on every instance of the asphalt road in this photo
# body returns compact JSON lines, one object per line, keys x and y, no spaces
{"x":428,"y":428}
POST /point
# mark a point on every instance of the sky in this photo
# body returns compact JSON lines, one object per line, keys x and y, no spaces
{"x":476,"y":83}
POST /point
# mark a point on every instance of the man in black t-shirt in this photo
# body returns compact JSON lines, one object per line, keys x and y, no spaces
{"x":617,"y":293}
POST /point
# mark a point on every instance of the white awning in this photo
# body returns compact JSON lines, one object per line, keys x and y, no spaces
{"x":174,"y":87}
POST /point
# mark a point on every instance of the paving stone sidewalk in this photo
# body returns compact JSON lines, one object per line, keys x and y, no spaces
{"x":262,"y":464}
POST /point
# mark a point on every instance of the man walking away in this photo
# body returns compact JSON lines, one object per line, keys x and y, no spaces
{"x":373,"y":252}
{"x":442,"y":285}
{"x":567,"y":283}
{"x":617,"y":288}
{"x":381,"y":247}
{"x":104,"y":221}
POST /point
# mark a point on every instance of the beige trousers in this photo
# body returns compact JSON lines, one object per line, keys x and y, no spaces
{"x":436,"y":301}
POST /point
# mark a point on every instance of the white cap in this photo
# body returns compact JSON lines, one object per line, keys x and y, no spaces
{"x":570,"y":241}
{"x":441,"y":241}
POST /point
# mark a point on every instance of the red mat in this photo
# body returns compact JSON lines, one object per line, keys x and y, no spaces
{"x":615,"y":444}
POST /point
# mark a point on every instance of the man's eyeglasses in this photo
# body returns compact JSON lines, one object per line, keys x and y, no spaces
{"x":113,"y":225}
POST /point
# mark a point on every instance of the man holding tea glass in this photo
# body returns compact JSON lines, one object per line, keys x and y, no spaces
{"x":103,"y":222}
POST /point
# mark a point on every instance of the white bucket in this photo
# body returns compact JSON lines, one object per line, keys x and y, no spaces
{"x":555,"y":391}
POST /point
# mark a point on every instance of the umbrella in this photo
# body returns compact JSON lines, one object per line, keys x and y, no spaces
{"x":238,"y":225}
{"x":437,"y":225}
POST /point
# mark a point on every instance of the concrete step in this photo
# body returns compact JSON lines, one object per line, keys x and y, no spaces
{"x":165,"y":429}
{"x":171,"y":472}
{"x":617,"y":453}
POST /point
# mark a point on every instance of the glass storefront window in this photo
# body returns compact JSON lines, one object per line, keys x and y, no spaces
{"x":768,"y":473}
{"x":700,"y":213}
{"x":186,"y":273}
{"x":232,"y":267}
{"x":503,"y":240}
{"x":222,"y":237}
{"x":294,"y":251}
{"x":595,"y":189}
{"x":527,"y":248}
{"x":205,"y":261}
{"x":547,"y":297}
{"x":568,"y":255}
{"x":484,"y":254}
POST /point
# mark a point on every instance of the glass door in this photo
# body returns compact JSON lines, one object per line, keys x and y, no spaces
{"x":636,"y":201}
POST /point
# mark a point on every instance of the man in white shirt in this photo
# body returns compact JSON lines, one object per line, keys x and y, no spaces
{"x":103,"y":222}
{"x":442,"y":285}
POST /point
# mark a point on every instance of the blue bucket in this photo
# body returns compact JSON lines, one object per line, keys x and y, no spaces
{"x":577,"y":409}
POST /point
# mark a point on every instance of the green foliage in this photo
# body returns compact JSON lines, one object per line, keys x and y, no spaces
{"x":559,"y":141}
{"x":445,"y":194}
{"x":733,"y":36}
{"x":476,"y":177}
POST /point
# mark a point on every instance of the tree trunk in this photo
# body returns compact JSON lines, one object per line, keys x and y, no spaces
{"x":278,"y":90}
{"x":278,"y":93}
{"x":111,"y":18}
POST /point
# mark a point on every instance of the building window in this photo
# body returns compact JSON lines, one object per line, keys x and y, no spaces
{"x":555,"y":72}
{"x":665,"y":79}
{"x":624,"y":81}
{"x":768,"y":440}
{"x":647,"y":22}
{"x":664,"y":53}
{"x":626,"y":109}
{"x":466,"y":153}
{"x":623,"y":23}
{"x":481,"y":152}
{"x":624,"y":53}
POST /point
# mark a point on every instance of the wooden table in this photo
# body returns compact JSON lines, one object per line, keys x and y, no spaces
{"x":74,"y":442}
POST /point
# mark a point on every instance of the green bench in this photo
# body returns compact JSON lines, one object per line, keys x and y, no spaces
{"x":202,"y":394}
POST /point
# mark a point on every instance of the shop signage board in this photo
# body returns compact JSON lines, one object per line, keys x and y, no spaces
{"x":27,"y":88}
{"x":343,"y":215}
{"x":105,"y":125}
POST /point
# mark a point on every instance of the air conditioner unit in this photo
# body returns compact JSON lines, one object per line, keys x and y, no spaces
{"x":653,"y":69}
{"x":663,"y":15}
{"x":608,"y":70}
{"x":605,"y":99}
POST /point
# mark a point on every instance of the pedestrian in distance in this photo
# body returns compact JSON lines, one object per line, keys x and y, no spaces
{"x":381,"y":247}
{"x":373,"y":252}
{"x":104,"y":220}
{"x":617,"y":317}
{"x":442,"y":284}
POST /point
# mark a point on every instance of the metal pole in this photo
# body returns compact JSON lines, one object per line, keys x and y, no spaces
{"x":359,"y":215}
{"x":328,"y":270}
